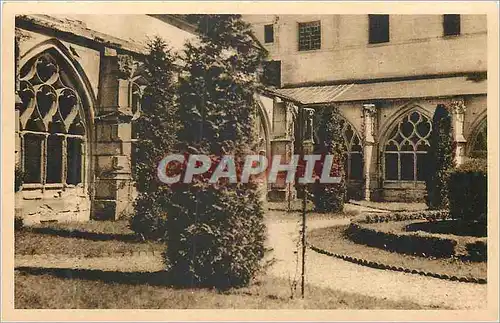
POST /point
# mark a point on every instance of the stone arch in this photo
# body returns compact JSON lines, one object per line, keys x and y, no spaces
{"x":353,"y":142}
{"x":56,"y":127}
{"x":477,"y":141}
{"x":266,"y":126}
{"x":404,"y":144}
{"x":71,"y":64}
{"x":263,"y":127}
{"x":407,"y":108}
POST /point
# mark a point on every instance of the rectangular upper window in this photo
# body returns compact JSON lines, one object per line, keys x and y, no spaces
{"x":378,"y":29}
{"x":451,"y":25}
{"x":268,"y":34}
{"x":309,"y":35}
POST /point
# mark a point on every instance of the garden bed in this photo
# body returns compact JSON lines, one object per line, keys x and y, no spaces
{"x":398,"y":232}
{"x":332,"y":240}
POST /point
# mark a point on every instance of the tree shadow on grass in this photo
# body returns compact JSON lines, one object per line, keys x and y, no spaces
{"x":94,"y":236}
{"x":158,"y":278}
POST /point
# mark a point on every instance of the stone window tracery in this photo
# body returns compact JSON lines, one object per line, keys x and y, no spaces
{"x":480,"y":142}
{"x":406,"y":148}
{"x":51,"y":124}
{"x":353,"y":162}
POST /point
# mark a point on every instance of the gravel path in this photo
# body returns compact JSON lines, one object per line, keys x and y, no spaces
{"x":329,"y":272}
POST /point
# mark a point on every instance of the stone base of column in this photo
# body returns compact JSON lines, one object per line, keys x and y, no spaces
{"x":281,"y":194}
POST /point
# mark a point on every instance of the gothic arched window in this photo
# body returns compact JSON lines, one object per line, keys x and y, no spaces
{"x":52,"y":125}
{"x":406,"y":148}
{"x":480,"y":142}
{"x":353,"y":162}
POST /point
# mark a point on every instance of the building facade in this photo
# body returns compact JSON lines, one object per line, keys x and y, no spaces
{"x":80,"y":78}
{"x":78,"y":93}
{"x":387,"y":74}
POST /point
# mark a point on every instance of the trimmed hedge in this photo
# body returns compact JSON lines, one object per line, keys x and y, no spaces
{"x":421,"y":244}
{"x":415,"y":243}
{"x":434,"y":215}
{"x":468,"y":191}
{"x":478,"y":251}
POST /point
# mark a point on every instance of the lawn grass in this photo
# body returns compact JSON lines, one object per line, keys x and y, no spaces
{"x":89,"y":239}
{"x":332,"y":239}
{"x":64,"y":289}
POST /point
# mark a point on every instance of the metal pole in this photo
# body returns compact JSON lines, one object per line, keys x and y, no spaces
{"x":304,"y":205}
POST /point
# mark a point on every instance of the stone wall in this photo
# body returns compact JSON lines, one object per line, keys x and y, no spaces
{"x":416,"y":47}
{"x":106,"y":71}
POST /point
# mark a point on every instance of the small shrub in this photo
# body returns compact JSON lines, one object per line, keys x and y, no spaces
{"x":468,"y":191}
{"x":440,"y":159}
{"x":429,"y":215}
{"x":150,"y":218}
{"x":420,"y":244}
{"x":478,"y":251}
{"x":18,"y":223}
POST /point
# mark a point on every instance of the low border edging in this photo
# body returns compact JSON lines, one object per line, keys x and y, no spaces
{"x":414,"y":243}
{"x":378,"y":265}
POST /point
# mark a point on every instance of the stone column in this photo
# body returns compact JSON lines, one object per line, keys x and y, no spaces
{"x":113,"y":197}
{"x":282,"y":143}
{"x":369,"y":114}
{"x":457,"y":109}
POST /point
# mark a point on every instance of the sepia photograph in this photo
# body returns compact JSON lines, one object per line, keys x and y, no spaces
{"x":224,"y":159}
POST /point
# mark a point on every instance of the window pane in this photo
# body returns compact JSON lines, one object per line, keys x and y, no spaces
{"x":309,"y":35}
{"x":407,"y":167}
{"x":32,"y":158}
{"x":480,"y":148}
{"x":356,"y":166}
{"x":391,"y":166}
{"x":54,"y":159}
{"x":268,"y":33}
{"x":422,"y":168}
{"x":74,"y":157}
{"x":424,"y":129}
{"x":451,"y":25}
{"x":379,"y":28}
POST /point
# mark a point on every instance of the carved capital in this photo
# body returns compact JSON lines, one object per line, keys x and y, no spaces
{"x":369,"y":113}
{"x":369,"y":110}
{"x":457,"y":106}
{"x":126,"y":66}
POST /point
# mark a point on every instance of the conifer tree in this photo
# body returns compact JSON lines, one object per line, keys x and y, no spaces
{"x":216,"y":232}
{"x":440,"y":159}
{"x":330,"y":197}
{"x":156,"y":131}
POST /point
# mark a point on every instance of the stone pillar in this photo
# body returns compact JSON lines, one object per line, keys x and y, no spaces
{"x":457,"y":109}
{"x":282,"y":143}
{"x":369,"y":114}
{"x":113,"y":186}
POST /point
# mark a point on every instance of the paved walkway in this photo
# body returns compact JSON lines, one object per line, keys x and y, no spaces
{"x":329,"y":272}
